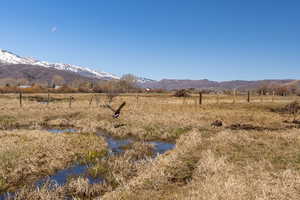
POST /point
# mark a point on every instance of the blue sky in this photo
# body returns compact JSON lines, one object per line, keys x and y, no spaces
{"x":184,"y":39}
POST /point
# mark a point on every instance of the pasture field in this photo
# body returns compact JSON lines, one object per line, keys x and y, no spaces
{"x":253,"y":155}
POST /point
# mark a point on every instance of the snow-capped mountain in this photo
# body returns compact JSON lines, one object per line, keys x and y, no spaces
{"x":7,"y":57}
{"x":142,"y":80}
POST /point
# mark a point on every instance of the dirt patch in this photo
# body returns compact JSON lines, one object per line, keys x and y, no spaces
{"x":296,"y":121}
{"x":249,"y":127}
{"x":217,"y":123}
{"x":292,"y":124}
{"x":297,"y":126}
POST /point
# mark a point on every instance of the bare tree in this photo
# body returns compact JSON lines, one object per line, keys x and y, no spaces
{"x":129,"y":81}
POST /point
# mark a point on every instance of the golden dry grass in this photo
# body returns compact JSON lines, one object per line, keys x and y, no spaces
{"x":26,"y":155}
{"x":226,"y":165}
{"x":207,"y":163}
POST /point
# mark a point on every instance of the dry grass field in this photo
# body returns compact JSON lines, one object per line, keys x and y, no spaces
{"x":253,"y":155}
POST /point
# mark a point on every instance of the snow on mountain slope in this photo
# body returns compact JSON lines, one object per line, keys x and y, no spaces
{"x":7,"y":57}
{"x":142,"y":80}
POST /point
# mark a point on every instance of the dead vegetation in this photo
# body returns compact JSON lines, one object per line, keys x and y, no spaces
{"x":253,"y":155}
{"x":256,"y":165}
{"x":27,"y":155}
{"x":245,"y":127}
{"x":293,"y":109}
{"x":182,"y":93}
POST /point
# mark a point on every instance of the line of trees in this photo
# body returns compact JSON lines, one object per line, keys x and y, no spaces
{"x":128,"y":83}
{"x":280,"y":90}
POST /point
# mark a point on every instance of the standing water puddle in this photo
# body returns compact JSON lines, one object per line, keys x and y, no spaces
{"x":115,"y":146}
{"x":61,"y":177}
{"x":68,"y":130}
{"x":162,"y":147}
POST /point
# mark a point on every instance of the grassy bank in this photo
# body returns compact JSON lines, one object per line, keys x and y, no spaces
{"x":27,"y":155}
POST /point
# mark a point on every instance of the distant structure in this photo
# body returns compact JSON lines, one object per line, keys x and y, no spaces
{"x":24,"y":86}
{"x":57,"y":86}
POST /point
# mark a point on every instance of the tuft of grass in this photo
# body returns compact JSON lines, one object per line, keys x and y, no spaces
{"x":100,"y":170}
{"x":93,"y":156}
{"x":3,"y":184}
{"x":7,"y":122}
{"x":177,"y":132}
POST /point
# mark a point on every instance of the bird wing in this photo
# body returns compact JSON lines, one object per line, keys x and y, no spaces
{"x":120,"y":107}
{"x":109,"y":107}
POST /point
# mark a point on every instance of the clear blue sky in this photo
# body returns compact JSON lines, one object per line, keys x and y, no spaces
{"x":193,"y":39}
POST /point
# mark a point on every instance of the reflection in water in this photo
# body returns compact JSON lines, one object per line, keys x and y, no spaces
{"x":61,"y":177}
{"x":115,"y":146}
{"x":68,"y":130}
{"x":162,"y":147}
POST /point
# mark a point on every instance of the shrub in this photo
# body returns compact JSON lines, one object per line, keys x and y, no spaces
{"x":293,"y":109}
{"x":181,"y":93}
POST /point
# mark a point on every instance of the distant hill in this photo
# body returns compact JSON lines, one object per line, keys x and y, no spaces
{"x":171,"y":84}
{"x":293,"y":83}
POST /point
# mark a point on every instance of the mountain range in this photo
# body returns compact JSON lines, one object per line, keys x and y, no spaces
{"x":14,"y":67}
{"x":9,"y":58}
{"x":172,"y":84}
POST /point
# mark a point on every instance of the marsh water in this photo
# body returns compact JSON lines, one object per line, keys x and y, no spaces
{"x":115,"y":146}
{"x":66,"y":130}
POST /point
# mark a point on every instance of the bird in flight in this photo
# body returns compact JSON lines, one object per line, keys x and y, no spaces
{"x":118,"y":111}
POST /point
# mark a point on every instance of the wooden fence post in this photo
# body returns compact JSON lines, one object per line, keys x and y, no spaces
{"x":137,"y":99}
{"x":234,"y":95}
{"x":70,"y":101}
{"x":200,"y":98}
{"x":48,"y":99}
{"x":20,"y":98}
{"x":248,"y":98}
{"x":91,"y":100}
{"x":97,"y":100}
{"x":273,"y":94}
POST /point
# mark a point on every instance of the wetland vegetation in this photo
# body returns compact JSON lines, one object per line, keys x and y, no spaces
{"x":161,"y":147}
